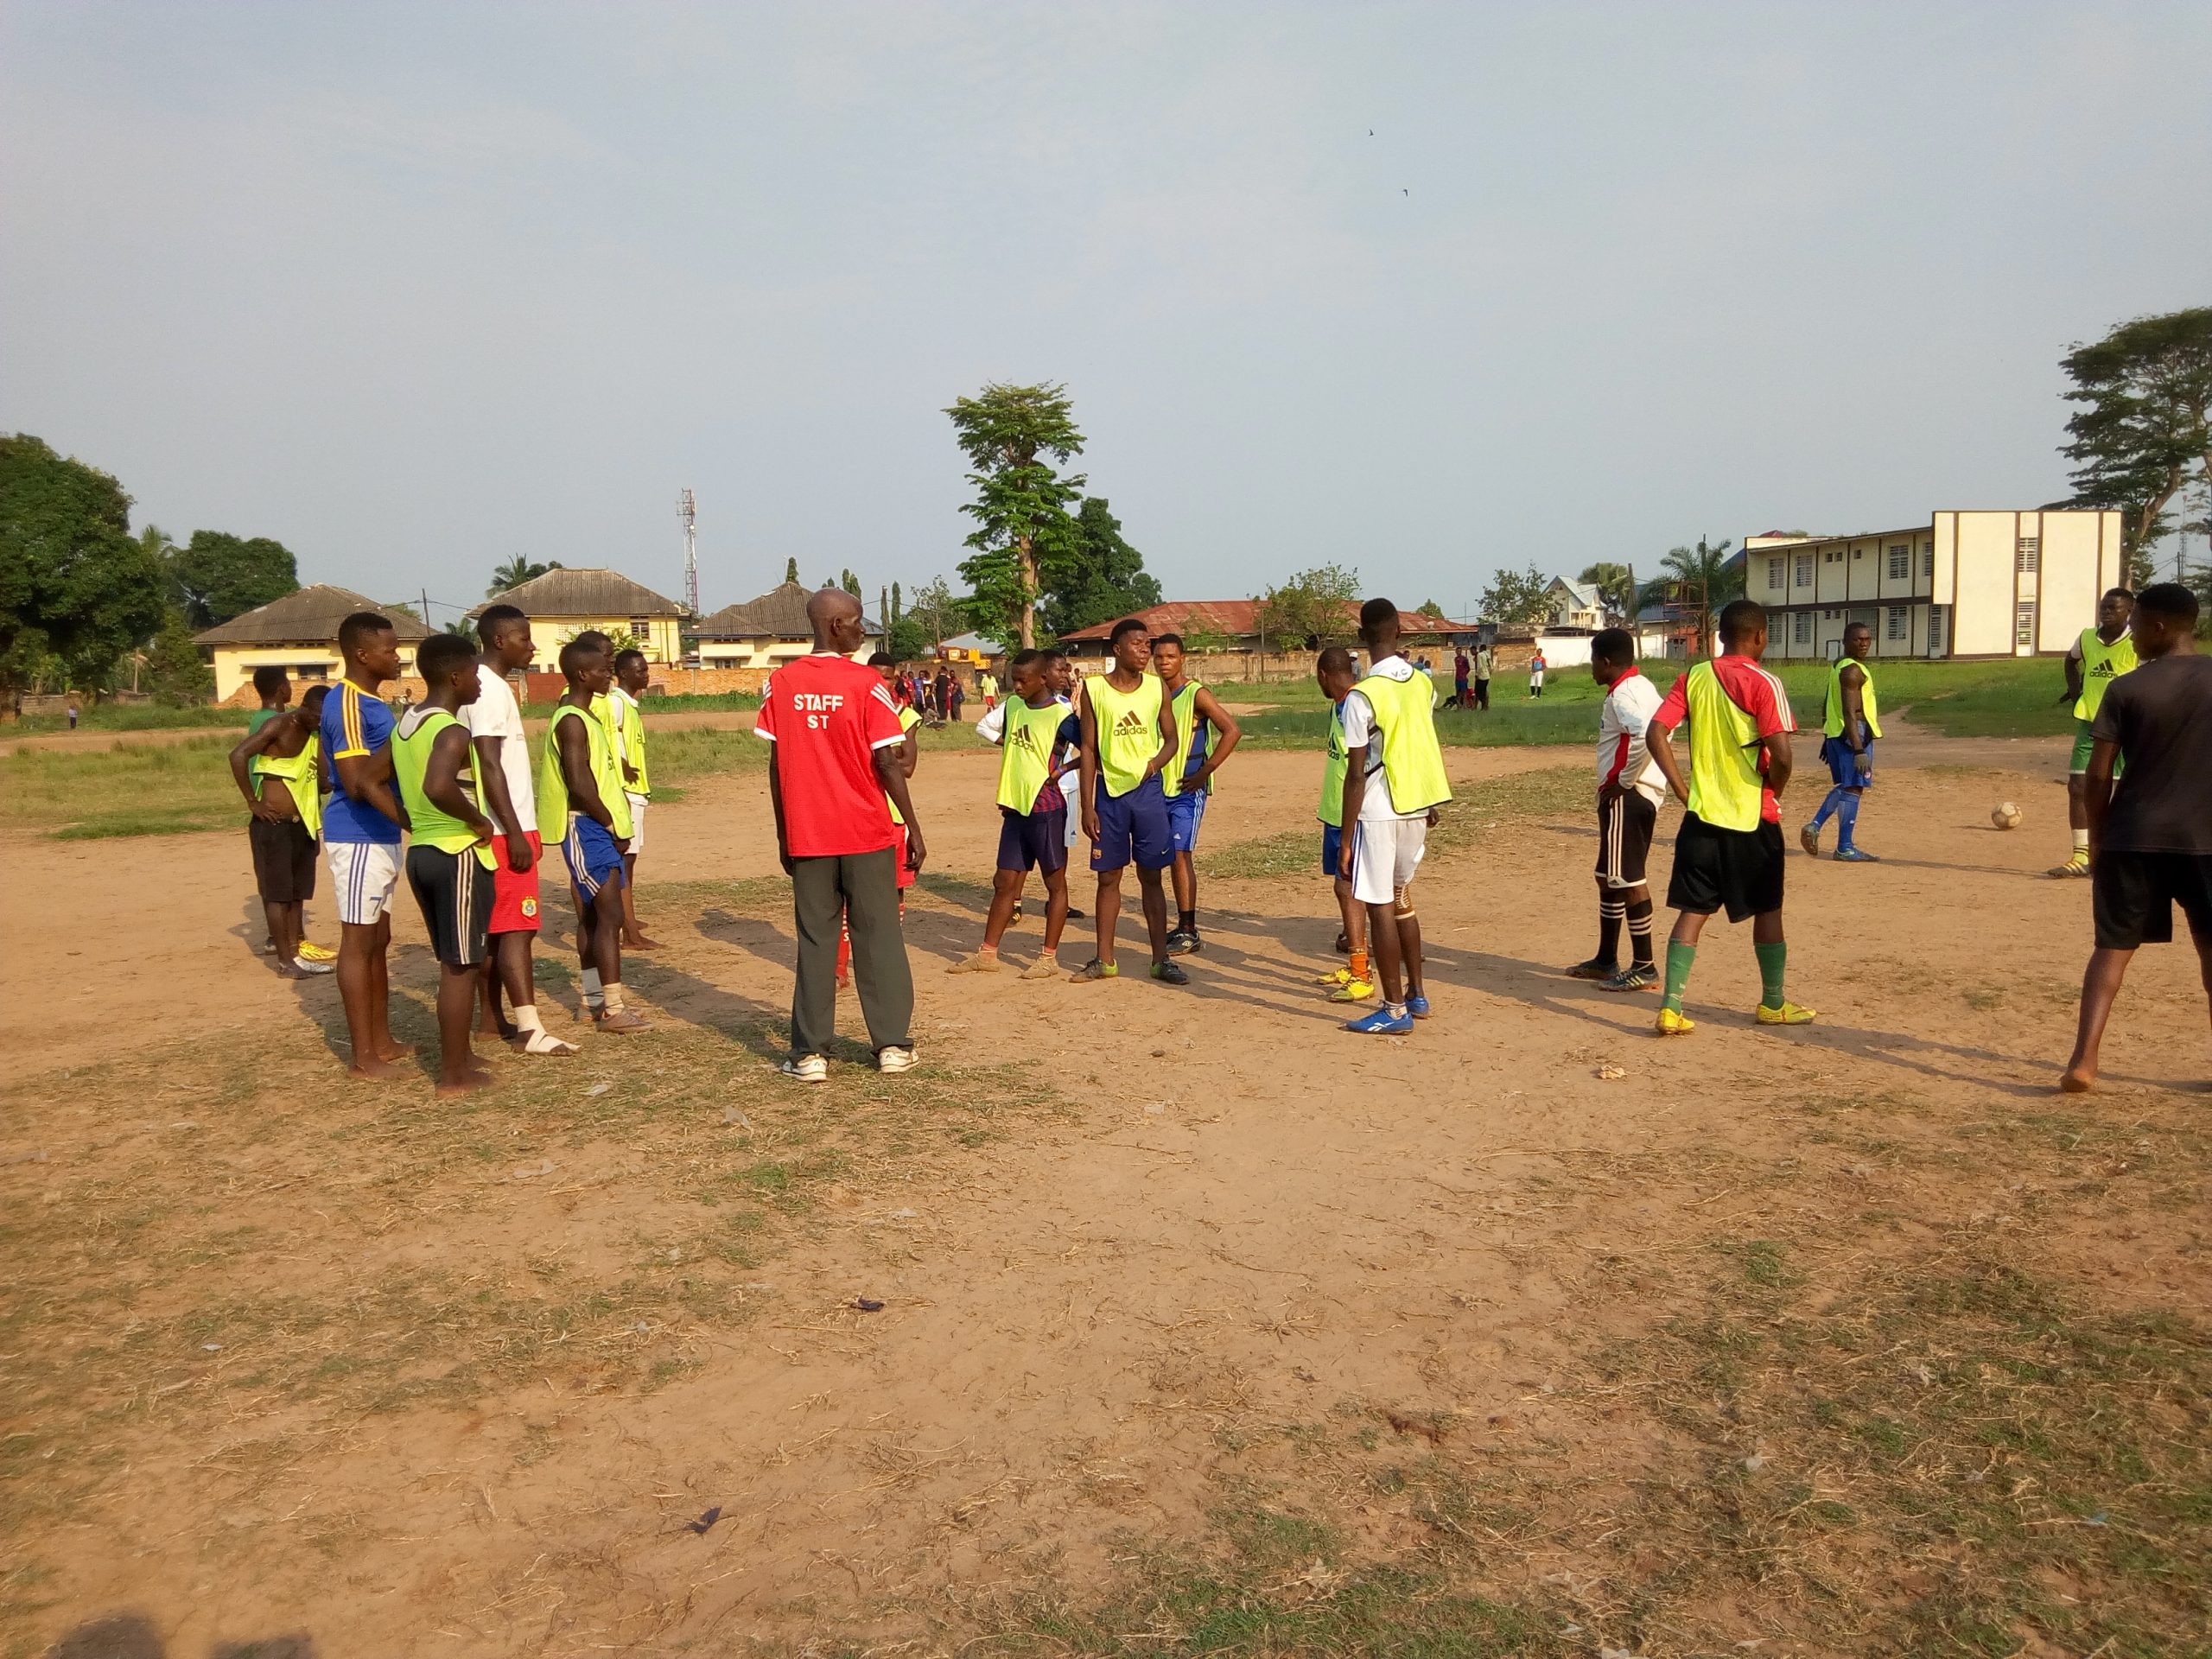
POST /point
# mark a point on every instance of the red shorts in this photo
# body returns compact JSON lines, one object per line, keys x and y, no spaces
{"x":905,"y":870}
{"x":514,"y":898}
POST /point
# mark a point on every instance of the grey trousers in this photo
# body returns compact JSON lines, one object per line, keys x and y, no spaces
{"x":860,"y":890}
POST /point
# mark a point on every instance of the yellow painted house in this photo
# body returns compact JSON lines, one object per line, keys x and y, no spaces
{"x":562,"y":604}
{"x":297,"y":633}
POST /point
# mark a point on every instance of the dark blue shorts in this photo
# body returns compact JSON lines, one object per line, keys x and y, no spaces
{"x":1132,"y":825}
{"x":1033,"y":840}
{"x":1185,"y":814}
{"x":1332,"y":848}
{"x":1842,"y":770}
{"x":593,"y":856}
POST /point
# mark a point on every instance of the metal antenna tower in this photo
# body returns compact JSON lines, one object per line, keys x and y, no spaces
{"x":688,"y":516}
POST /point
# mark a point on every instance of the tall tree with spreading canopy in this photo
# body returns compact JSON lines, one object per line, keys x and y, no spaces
{"x":1013,"y":436}
{"x":1311,"y":608}
{"x":216,"y":576}
{"x":74,"y":584}
{"x":1516,"y":599}
{"x":936,"y":613}
{"x":2145,"y":427}
{"x":1103,"y":576}
{"x":1612,"y":582}
{"x":1697,"y":582}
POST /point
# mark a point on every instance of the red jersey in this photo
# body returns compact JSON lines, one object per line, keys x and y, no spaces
{"x":826,"y":716}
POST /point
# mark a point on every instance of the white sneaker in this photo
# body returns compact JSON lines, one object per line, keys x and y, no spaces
{"x":806,"y":1068}
{"x":302,"y":965}
{"x":893,"y":1060}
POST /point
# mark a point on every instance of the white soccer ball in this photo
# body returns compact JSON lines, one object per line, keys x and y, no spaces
{"x":2005,"y":816}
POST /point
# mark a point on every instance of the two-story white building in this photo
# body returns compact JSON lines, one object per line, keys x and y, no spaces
{"x":1974,"y":583}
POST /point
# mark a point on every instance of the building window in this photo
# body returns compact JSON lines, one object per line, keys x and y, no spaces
{"x":1934,"y":630}
{"x":2028,"y":553}
{"x":1801,"y":628}
{"x":1804,"y":570}
{"x":1899,"y":618}
{"x":1900,"y":561}
{"x":1774,"y":573}
{"x":641,"y":628}
{"x":2024,"y":629}
{"x":1928,"y":562}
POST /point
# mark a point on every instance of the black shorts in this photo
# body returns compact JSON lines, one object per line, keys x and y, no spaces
{"x":1736,"y":870}
{"x":1624,"y":839}
{"x":454,"y":891}
{"x":2133,"y":896}
{"x":284,"y":860}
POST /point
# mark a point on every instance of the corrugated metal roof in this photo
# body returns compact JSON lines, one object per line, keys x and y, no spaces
{"x":304,"y":616}
{"x":779,"y":613}
{"x":588,"y":591}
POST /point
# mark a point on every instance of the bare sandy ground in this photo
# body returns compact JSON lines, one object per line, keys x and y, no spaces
{"x":1248,"y":1218}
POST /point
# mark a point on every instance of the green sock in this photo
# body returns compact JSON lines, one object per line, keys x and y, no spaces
{"x":1679,"y":958}
{"x":1772,"y":958}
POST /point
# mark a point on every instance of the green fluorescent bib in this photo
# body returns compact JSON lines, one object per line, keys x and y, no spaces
{"x":1725,"y":781}
{"x":1185,"y":708}
{"x":430,"y":824}
{"x":1025,"y":753}
{"x":1412,"y":760}
{"x":907,"y":720}
{"x":553,"y":783}
{"x":1333,"y":771}
{"x":300,"y":777}
{"x":1128,"y":730}
{"x":1832,"y":720}
{"x":633,"y":738}
{"x":2102,"y":664}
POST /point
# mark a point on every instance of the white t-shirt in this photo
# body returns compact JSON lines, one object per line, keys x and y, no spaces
{"x":1361,"y":732}
{"x":496,"y":714}
{"x":1623,"y":719}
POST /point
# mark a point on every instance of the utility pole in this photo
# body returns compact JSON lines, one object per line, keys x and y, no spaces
{"x":425,"y":595}
{"x":687,"y":515}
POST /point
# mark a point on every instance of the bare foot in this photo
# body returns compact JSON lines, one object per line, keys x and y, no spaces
{"x":392,"y":1051}
{"x":2077,"y":1080}
{"x":505,"y":1031}
{"x":375,"y":1071}
{"x":640,"y":941}
{"x":466,"y":1084}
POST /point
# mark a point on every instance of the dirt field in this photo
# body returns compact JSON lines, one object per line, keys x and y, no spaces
{"x":1206,"y":1327}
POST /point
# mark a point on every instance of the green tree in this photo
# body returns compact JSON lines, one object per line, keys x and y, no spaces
{"x":936,"y":613}
{"x":791,"y":570}
{"x":1313,"y":608}
{"x":515,"y":572}
{"x":1102,"y":577}
{"x":74,"y":584}
{"x":1612,"y":582}
{"x":849,"y":582}
{"x":175,"y":673}
{"x":1024,"y":533}
{"x":2144,"y":426}
{"x":215,"y":576}
{"x":1516,"y":599}
{"x":1697,"y":582}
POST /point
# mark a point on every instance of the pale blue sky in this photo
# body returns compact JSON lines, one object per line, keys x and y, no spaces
{"x":413,"y":288}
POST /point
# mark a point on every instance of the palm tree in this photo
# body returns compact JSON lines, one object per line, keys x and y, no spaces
{"x":1611,"y":582}
{"x":1696,"y":580}
{"x":515,"y":572}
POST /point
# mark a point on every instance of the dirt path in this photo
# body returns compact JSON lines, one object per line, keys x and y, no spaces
{"x":1245,"y":1228}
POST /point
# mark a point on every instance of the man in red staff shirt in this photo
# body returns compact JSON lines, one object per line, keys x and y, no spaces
{"x":837,"y":735}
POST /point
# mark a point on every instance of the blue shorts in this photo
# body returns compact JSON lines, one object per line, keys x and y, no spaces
{"x":593,"y":856}
{"x":1843,"y":770}
{"x":1134,"y":824}
{"x":1185,"y":812}
{"x":1333,"y":849}
{"x":1033,"y":840}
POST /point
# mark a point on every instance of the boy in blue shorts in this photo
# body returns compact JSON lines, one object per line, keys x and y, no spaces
{"x":1349,"y":983}
{"x":1129,"y":735}
{"x":582,"y":805}
{"x":1031,"y":724}
{"x":1851,"y":719}
{"x":1189,"y":776}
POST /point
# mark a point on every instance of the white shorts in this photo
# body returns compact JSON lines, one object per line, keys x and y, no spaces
{"x":364,"y":874}
{"x":637,"y":822}
{"x":1071,"y":786}
{"x":1385,"y":853}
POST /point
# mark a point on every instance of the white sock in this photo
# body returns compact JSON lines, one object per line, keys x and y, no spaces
{"x":593,"y":995}
{"x":526,"y":1017}
{"x":2081,"y":843}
